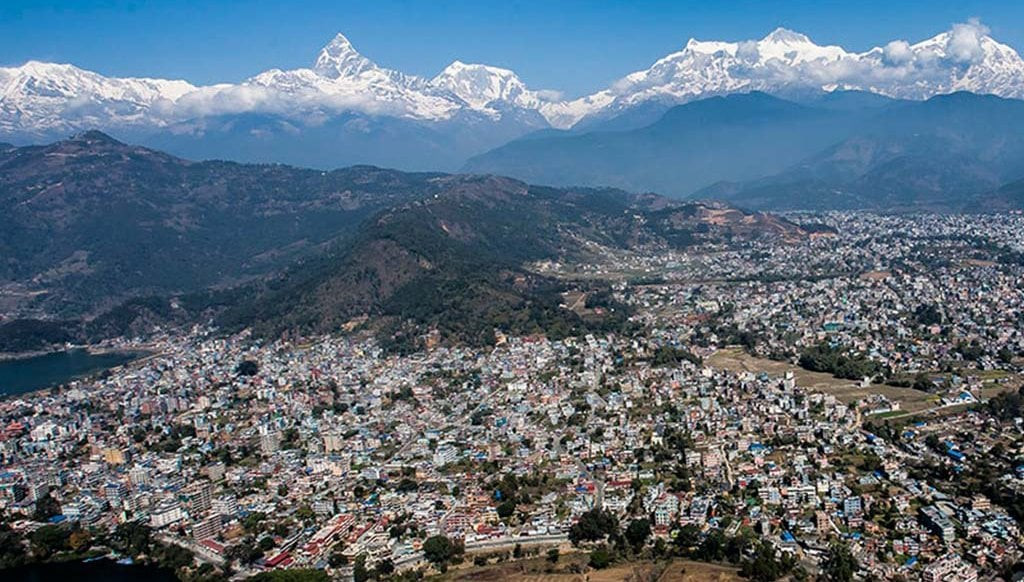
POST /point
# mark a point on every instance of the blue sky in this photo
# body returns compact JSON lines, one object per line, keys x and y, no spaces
{"x":575,"y":46}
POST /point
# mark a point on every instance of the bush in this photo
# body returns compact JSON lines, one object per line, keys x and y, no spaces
{"x":600,"y":558}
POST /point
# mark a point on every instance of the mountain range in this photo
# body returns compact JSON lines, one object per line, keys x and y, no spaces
{"x":842,"y":150}
{"x":345,"y":109}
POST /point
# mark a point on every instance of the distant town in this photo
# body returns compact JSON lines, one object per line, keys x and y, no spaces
{"x":847,"y":406}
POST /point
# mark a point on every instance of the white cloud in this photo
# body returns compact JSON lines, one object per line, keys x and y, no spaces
{"x":550,"y":95}
{"x":747,"y":51}
{"x":898,"y":52}
{"x":964,"y":44}
{"x":303,"y":104}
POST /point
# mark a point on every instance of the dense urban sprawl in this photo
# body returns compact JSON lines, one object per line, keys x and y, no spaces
{"x":845,"y":403}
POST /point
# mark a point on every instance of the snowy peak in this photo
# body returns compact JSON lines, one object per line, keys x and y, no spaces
{"x":785,"y":36}
{"x":45,"y":98}
{"x":340,"y":59}
{"x":481,"y":86}
{"x":793,"y":47}
{"x":963,"y":58}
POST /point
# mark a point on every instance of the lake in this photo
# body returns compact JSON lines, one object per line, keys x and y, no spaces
{"x":98,"y":571}
{"x":37,"y":372}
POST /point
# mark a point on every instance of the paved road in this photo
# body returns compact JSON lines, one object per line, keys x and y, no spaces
{"x":494,"y":545}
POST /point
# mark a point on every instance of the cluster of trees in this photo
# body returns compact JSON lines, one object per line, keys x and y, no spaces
{"x":440,"y":550}
{"x":23,"y":335}
{"x":838,"y":362}
{"x":70,"y":541}
{"x":593,"y":526}
{"x":466,"y":308}
{"x":928,"y":315}
{"x":1007,"y":406}
{"x":601,"y":527}
{"x":247,"y":368}
{"x":673,"y":356}
{"x":12,"y":548}
{"x":757,"y":560}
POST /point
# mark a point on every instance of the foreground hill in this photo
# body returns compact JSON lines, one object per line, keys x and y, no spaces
{"x":456,"y":263}
{"x":88,"y":221}
{"x":100,"y":239}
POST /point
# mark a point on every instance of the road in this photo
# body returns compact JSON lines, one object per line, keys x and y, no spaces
{"x":495,"y":545}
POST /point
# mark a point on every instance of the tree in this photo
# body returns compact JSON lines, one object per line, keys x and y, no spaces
{"x":765,"y":567}
{"x":553,"y":555}
{"x":265,"y":544}
{"x":247,"y":368}
{"x":637,"y":533}
{"x":506,"y":509}
{"x":12,"y":551}
{"x":712,"y":549}
{"x":79,"y":541}
{"x":132,"y":538}
{"x":46,"y":508}
{"x":49,"y":540}
{"x":594,"y":525}
{"x":600,"y":558}
{"x":840,"y":564}
{"x":439,"y":549}
{"x":245,"y":552}
{"x":359,"y":571}
{"x":384,"y":568}
{"x":922,"y":382}
{"x":687,"y":539}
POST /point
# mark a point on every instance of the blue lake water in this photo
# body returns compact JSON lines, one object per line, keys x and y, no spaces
{"x":37,"y":372}
{"x":98,"y":571}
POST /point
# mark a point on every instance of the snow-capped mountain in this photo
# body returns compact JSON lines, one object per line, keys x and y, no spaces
{"x":44,"y":97}
{"x":468,"y":107}
{"x":39,"y":98}
{"x":483,"y":87}
{"x":962,"y":59}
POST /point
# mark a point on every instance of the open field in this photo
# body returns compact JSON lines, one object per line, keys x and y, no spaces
{"x":539,"y":570}
{"x":686,"y":571}
{"x":737,"y":360}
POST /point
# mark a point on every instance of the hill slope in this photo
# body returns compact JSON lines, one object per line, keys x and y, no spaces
{"x":88,"y":221}
{"x":456,"y":263}
{"x":940,"y":154}
{"x":102,"y":239}
{"x":737,"y":137}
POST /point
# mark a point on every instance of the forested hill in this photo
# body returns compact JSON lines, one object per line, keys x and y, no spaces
{"x":89,"y":221}
{"x":101,"y":238}
{"x":455,"y":263}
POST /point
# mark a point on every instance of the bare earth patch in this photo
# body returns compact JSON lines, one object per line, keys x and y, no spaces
{"x":737,"y":360}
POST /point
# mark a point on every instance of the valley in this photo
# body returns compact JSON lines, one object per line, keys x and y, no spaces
{"x":273,"y":310}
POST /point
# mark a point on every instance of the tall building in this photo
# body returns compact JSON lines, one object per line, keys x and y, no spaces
{"x":226,"y":505}
{"x":933,"y":518}
{"x":200,"y":498}
{"x":270,"y":440}
{"x":165,"y":513}
{"x":950,"y":568}
{"x":206,"y":528}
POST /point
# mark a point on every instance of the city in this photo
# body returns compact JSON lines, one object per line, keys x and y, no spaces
{"x":781,"y":406}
